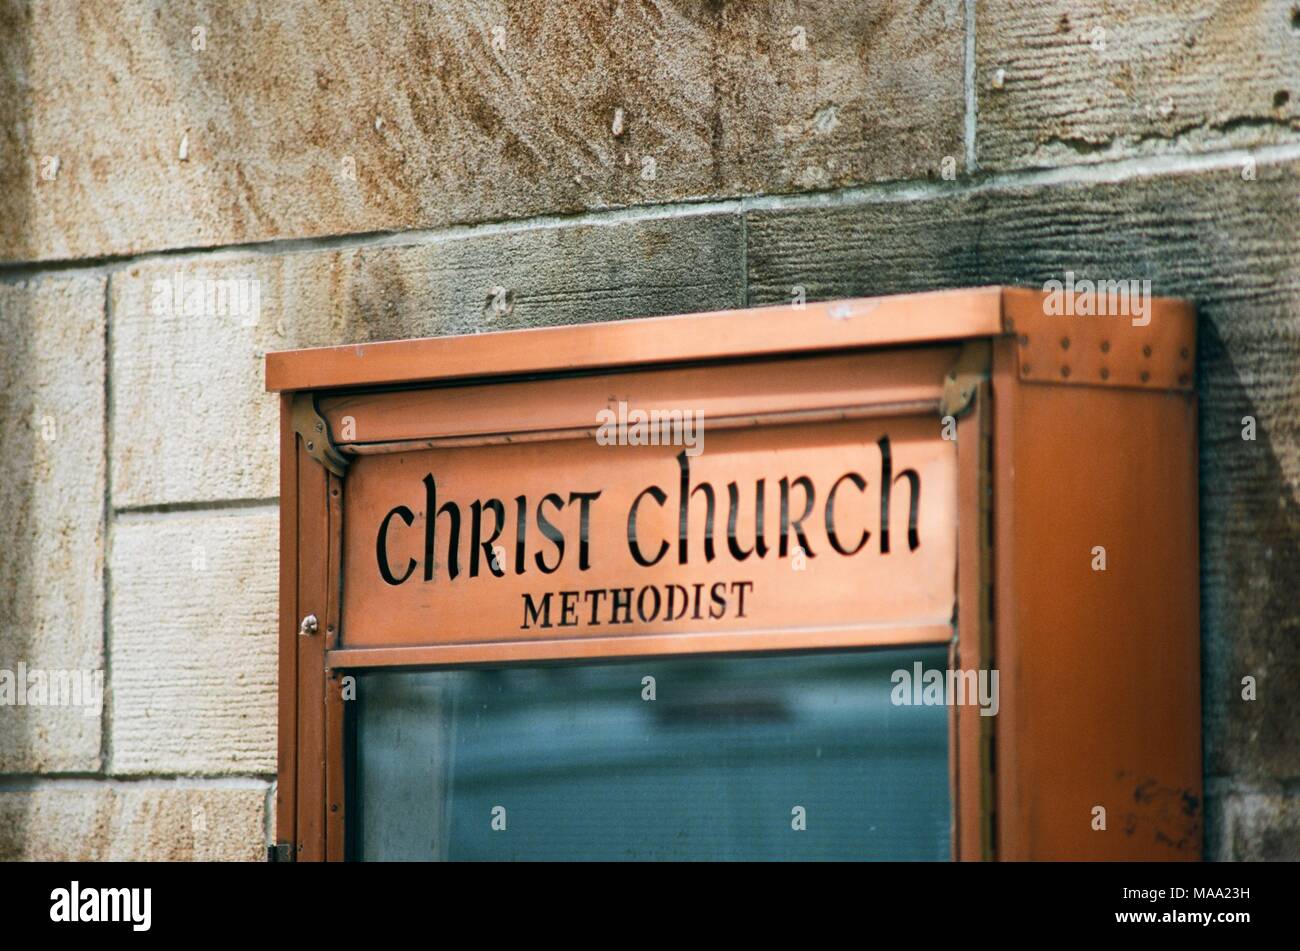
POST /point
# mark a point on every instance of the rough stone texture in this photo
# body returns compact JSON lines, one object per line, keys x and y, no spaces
{"x":52,"y":497}
{"x":1231,"y":246}
{"x":1254,"y":826}
{"x":116,"y":822}
{"x":299,"y":119}
{"x":194,"y":644}
{"x":224,"y":445}
{"x":1105,"y":79}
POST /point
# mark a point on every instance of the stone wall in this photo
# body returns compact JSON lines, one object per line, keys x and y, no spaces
{"x":367,"y":171}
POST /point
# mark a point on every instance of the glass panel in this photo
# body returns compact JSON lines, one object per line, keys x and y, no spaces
{"x":716,"y":766}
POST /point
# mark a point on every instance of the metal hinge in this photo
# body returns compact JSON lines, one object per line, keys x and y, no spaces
{"x":964,"y":378}
{"x":280,"y":852}
{"x":315,"y":433}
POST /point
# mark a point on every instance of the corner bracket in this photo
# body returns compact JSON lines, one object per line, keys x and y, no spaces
{"x":315,"y":433}
{"x":962,"y":381}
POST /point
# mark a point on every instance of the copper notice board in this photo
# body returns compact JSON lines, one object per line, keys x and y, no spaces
{"x":971,"y":468}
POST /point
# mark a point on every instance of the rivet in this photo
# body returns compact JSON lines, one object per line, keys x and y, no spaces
{"x":1105,"y":346}
{"x":309,"y":625}
{"x":1065,"y":343}
{"x":1065,"y":371}
{"x":1105,"y":374}
{"x":1145,"y":376}
{"x":1146,"y":351}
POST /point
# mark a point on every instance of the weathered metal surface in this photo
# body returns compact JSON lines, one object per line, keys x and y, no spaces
{"x":575,"y":539}
{"x":1104,"y":337}
{"x":495,"y":538}
{"x":1097,"y":621}
{"x":756,"y":332}
{"x":315,"y":433}
{"x":813,"y":388}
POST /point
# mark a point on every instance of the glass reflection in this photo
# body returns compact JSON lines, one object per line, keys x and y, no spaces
{"x":714,"y":767}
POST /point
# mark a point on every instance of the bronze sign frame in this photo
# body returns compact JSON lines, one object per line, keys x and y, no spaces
{"x":1050,"y":413}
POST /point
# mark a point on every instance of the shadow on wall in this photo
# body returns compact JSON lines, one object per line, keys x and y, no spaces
{"x":1227,"y":244}
{"x":1250,"y":573}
